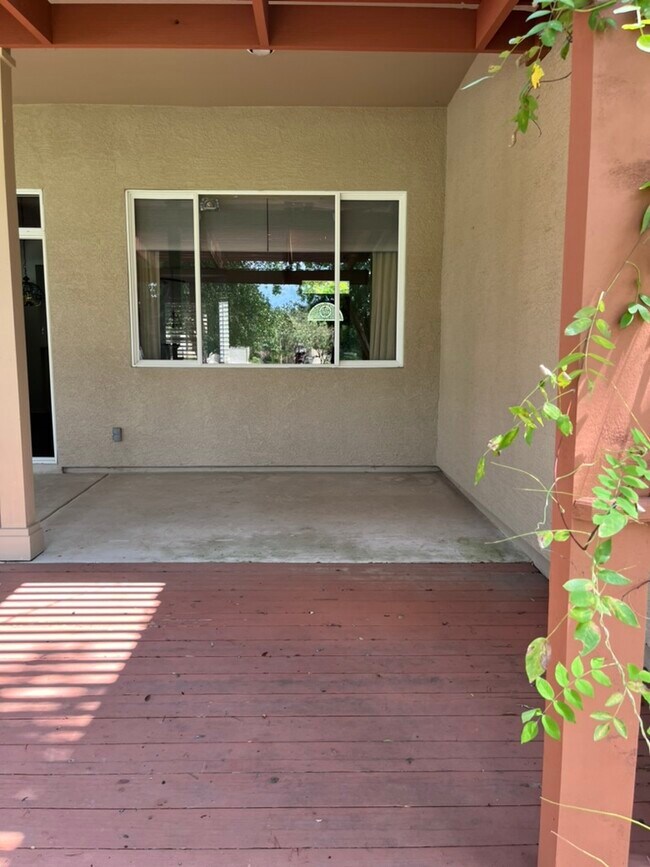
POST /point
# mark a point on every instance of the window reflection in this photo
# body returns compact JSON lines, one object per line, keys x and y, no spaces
{"x":164,"y":231}
{"x":369,"y":266}
{"x":267,"y":279}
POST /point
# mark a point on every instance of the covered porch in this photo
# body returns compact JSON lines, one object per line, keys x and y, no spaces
{"x":164,"y":702}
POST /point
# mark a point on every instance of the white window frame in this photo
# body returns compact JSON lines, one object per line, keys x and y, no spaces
{"x":193,"y":195}
{"x":39,"y":235}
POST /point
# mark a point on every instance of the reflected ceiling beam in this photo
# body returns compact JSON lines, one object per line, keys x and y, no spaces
{"x":309,"y":27}
{"x":33,"y":18}
{"x":261,"y":13}
{"x":491,"y":15}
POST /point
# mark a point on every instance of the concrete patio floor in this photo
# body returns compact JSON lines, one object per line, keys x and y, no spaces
{"x":261,"y":517}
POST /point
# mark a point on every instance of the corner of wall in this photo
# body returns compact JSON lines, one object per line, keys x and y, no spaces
{"x":495,"y":266}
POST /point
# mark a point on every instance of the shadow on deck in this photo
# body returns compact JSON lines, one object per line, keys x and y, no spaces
{"x":265,"y":715}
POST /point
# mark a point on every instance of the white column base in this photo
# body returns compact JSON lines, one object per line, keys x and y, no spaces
{"x":21,"y":543}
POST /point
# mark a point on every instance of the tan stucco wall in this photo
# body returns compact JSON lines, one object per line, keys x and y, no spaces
{"x":501,"y":283}
{"x":84,"y":157}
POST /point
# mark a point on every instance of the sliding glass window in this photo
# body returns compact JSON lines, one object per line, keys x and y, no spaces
{"x":266,"y":279}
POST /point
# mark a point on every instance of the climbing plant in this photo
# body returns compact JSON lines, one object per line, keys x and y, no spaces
{"x":593,"y":602}
{"x":622,"y":476}
{"x":551,"y":26}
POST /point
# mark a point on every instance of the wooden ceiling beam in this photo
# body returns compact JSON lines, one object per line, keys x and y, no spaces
{"x":381,"y":28}
{"x":33,"y":17}
{"x":113,"y":25}
{"x":261,"y":15}
{"x":308,"y":27}
{"x":490,"y":17}
{"x":468,"y":4}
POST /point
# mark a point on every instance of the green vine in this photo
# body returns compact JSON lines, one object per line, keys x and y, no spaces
{"x":597,"y":597}
{"x":551,"y":25}
{"x":615,"y":504}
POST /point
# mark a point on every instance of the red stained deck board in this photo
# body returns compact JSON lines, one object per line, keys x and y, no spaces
{"x":44,"y":684}
{"x":292,"y":828}
{"x":149,"y":707}
{"x":260,"y":763}
{"x":331,"y":616}
{"x":71,"y":729}
{"x":142,"y":666}
{"x":267,"y":715}
{"x":160,"y":632}
{"x":255,"y":649}
{"x":332,"y":755}
{"x":496,"y":856}
{"x":229,"y":791}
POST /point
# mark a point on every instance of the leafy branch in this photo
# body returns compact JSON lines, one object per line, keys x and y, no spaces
{"x":623,"y":477}
{"x":552,"y":24}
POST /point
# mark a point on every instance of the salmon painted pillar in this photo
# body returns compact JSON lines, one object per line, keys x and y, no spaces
{"x":609,"y":158}
{"x":21,"y":537}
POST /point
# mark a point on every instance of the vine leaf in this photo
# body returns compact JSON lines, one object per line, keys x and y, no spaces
{"x":588,"y":634}
{"x":603,"y":552}
{"x":601,"y":731}
{"x":529,"y":731}
{"x":610,"y":577}
{"x":564,"y":711}
{"x":551,"y":728}
{"x":623,"y":612}
{"x":626,"y":319}
{"x":612,"y":523}
{"x":480,"y":470}
{"x":645,"y":222}
{"x":538,"y":656}
{"x":601,"y":678}
{"x":561,"y":675}
{"x":577,"y":326}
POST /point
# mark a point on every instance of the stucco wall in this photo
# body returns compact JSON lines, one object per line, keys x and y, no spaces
{"x":84,"y":157}
{"x":501,"y":283}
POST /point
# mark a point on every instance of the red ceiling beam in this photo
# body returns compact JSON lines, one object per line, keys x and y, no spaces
{"x":381,"y":28}
{"x":491,"y":15}
{"x":308,"y":27}
{"x":33,"y":16}
{"x":111,"y":25}
{"x":471,"y":3}
{"x":261,"y":14}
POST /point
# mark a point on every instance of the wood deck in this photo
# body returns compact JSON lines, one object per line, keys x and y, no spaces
{"x":267,"y":716}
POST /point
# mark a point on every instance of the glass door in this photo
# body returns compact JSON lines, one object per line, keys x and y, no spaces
{"x":36,"y":325}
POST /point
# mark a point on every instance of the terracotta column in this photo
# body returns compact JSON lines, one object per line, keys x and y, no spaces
{"x":608,"y":161}
{"x":21,"y":537}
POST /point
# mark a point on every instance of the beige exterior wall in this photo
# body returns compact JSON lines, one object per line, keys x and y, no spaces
{"x":501,"y":284}
{"x":85,"y":157}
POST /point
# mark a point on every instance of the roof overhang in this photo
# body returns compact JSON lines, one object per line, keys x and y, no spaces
{"x":285,"y":25}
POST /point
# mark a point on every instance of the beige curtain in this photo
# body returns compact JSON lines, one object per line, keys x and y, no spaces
{"x":383,"y":316}
{"x":149,"y":302}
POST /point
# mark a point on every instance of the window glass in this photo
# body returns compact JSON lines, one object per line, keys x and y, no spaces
{"x":29,"y":212}
{"x":36,"y":341}
{"x":267,"y":279}
{"x":369,"y":269}
{"x":164,"y":255}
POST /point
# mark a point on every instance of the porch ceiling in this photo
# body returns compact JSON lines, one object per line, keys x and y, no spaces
{"x":215,"y":78}
{"x":351,"y":25}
